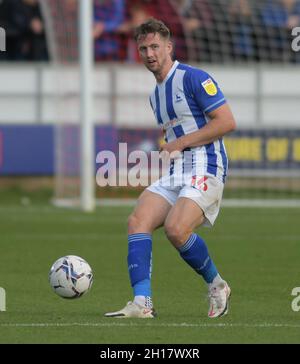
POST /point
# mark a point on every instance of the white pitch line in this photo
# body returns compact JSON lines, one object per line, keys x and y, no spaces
{"x":177,"y":325}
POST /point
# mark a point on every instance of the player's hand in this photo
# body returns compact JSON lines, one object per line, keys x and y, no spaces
{"x":98,"y":30}
{"x":36,"y":26}
{"x":173,"y":148}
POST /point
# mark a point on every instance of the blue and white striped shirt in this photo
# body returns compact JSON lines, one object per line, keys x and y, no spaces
{"x":181,"y":104}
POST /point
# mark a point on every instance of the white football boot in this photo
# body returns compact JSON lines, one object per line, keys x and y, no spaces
{"x":132,"y":309}
{"x":219,"y":300}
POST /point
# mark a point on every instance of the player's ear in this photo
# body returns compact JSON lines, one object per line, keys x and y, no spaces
{"x":170,"y":47}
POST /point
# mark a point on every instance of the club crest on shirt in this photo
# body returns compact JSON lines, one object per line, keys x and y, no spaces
{"x":209,"y":87}
{"x":178,"y":98}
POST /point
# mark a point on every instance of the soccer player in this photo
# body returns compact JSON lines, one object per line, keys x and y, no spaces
{"x":194,"y":115}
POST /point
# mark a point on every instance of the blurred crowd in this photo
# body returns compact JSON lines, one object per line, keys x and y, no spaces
{"x":202,"y":30}
{"x":25,"y":31}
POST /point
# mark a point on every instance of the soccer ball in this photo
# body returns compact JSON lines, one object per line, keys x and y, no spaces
{"x":71,"y":277}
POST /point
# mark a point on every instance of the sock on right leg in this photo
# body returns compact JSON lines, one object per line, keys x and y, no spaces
{"x":144,"y":301}
{"x":140,"y":267}
{"x":195,"y":253}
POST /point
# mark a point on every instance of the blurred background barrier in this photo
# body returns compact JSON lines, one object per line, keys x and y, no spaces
{"x":260,"y":95}
{"x":252,"y":152}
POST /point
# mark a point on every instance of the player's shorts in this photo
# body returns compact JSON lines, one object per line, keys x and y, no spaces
{"x":206,"y":191}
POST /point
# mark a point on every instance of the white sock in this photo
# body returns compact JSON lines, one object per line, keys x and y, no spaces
{"x":144,"y":301}
{"x":217,"y":280}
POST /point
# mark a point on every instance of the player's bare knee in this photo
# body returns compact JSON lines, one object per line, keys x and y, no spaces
{"x":132,"y":223}
{"x":177,"y":233}
{"x":135,"y":224}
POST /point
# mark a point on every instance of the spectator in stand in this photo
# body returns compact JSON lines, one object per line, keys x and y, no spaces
{"x":110,"y":41}
{"x":32,"y":40}
{"x":279,"y":17}
{"x":198,"y":22}
{"x":11,"y":29}
{"x":245,"y":23}
{"x":25,"y":36}
{"x":168,"y":13}
{"x":138,"y":11}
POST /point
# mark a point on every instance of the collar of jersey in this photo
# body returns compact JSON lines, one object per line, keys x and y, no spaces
{"x":173,"y":68}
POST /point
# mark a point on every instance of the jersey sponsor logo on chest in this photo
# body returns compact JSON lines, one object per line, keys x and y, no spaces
{"x":171,"y":124}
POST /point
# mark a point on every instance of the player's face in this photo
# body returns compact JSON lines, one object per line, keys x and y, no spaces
{"x":155,"y":52}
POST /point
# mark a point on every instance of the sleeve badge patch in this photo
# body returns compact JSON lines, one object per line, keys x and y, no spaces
{"x":209,"y":87}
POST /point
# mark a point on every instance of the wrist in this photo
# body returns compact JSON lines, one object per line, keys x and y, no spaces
{"x":182,"y":143}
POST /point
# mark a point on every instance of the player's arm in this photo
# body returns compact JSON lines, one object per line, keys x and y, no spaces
{"x":221,"y":122}
{"x":211,"y":100}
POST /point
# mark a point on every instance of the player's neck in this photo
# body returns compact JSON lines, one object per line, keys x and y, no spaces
{"x":161,"y":76}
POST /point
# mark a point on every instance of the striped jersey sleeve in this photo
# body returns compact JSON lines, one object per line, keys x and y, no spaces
{"x":204,"y":90}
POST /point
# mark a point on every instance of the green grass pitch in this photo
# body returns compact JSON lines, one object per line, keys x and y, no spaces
{"x":256,"y":250}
